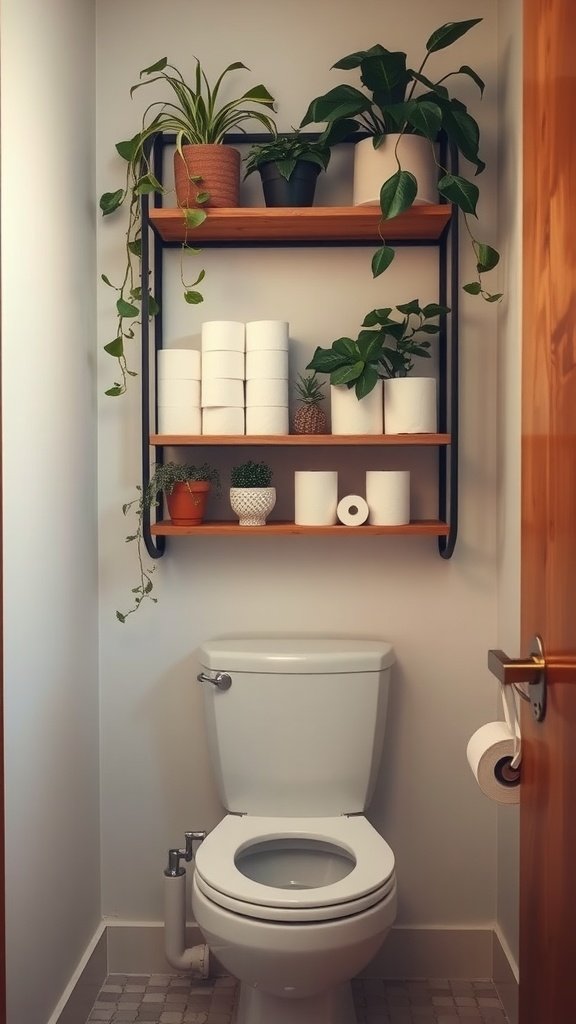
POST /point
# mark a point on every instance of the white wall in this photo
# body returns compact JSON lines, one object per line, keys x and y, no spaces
{"x":509,"y":402}
{"x":50,"y":541}
{"x":441,"y":617}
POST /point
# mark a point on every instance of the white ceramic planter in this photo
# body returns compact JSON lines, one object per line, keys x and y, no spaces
{"x":351,"y":415}
{"x":315,"y":497}
{"x":372,"y":167}
{"x":252,"y":505}
{"x":388,"y":497}
{"x":410,"y":405}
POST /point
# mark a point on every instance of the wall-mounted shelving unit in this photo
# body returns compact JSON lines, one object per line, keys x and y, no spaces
{"x":314,"y":226}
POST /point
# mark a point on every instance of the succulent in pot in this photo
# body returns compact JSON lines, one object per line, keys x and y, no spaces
{"x":397,"y":103}
{"x":186,"y":489}
{"x":289,"y":165}
{"x":207,"y":173}
{"x":251,"y":496}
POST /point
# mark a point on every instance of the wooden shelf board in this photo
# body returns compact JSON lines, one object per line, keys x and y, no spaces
{"x":303,"y":440}
{"x":306,"y":224}
{"x":424,"y":527}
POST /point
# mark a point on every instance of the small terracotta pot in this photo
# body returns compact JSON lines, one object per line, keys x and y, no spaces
{"x":219,"y":168}
{"x":187,"y":502}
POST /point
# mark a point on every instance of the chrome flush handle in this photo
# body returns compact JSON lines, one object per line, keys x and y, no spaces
{"x":221,"y":680}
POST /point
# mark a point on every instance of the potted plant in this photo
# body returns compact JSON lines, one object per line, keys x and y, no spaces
{"x":309,"y":417}
{"x":289,"y":166}
{"x":207,"y":173}
{"x":383,"y":351}
{"x":251,"y":496}
{"x":400,"y":108}
{"x":186,"y":490}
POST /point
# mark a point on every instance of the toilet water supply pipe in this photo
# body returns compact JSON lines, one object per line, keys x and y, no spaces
{"x":195,"y":959}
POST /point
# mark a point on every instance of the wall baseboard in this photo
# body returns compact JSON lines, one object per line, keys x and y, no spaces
{"x":505,"y":976}
{"x":137,"y":947}
{"x":80,"y":993}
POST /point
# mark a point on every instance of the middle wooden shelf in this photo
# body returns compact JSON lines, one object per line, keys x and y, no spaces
{"x":302,"y":440}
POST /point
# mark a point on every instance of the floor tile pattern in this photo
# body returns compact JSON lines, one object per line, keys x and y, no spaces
{"x":174,"y":999}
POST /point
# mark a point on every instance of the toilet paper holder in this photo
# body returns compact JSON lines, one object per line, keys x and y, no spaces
{"x":530,"y":670}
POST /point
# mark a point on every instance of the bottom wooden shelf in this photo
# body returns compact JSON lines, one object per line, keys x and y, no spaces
{"x":420,"y":527}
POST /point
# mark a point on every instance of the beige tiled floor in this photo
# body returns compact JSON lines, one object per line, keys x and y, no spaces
{"x":174,"y":999}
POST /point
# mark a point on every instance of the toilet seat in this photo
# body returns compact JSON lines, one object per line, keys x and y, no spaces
{"x":369,"y":880}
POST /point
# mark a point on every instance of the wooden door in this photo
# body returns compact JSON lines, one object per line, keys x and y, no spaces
{"x":548,"y":799}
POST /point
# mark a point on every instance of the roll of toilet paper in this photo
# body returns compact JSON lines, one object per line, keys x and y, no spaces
{"x":388,"y":497}
{"x":410,"y":405}
{"x":217,"y":420}
{"x":216,"y":365}
{"x":315,"y":497}
{"x":490,"y":753}
{"x":267,"y":420}
{"x":179,"y":419}
{"x":267,"y":365}
{"x":352,"y":510}
{"x":178,"y":363}
{"x":223,"y":392}
{"x":266,"y":392}
{"x":178,"y":392}
{"x":223,"y":335}
{"x":266,"y":335}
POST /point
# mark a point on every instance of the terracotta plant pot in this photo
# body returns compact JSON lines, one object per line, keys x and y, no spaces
{"x":187,"y":502}
{"x":219,"y":168}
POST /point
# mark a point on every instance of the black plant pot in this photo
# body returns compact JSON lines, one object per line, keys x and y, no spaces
{"x":298,"y":191}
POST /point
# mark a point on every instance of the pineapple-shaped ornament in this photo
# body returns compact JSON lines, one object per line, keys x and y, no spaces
{"x":309,"y":417}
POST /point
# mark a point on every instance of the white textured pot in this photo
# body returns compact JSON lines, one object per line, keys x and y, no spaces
{"x":410,"y":405}
{"x":252,"y":505}
{"x":351,"y":415}
{"x":372,"y":167}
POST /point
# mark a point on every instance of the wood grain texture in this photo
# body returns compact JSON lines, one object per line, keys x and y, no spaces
{"x":306,"y":224}
{"x":548,"y":817}
{"x":304,"y":440}
{"x":424,"y":527}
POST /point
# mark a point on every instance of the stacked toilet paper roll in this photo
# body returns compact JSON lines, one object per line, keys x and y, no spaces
{"x":178,"y":380}
{"x":388,"y":497}
{"x":267,"y":377}
{"x":315,"y":497}
{"x":223,"y":343}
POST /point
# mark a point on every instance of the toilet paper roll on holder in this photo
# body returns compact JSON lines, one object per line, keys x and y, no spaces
{"x":530,"y":670}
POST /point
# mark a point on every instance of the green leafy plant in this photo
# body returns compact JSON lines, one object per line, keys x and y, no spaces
{"x":251,"y":474}
{"x":384,"y":349}
{"x":285,"y":151}
{"x":164,"y":479}
{"x":397,"y":99}
{"x":194,"y":116}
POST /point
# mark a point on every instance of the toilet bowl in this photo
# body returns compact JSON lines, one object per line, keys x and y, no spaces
{"x":293,"y":908}
{"x":295,"y":902}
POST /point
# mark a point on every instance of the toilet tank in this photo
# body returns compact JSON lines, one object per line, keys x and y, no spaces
{"x":299,"y":733}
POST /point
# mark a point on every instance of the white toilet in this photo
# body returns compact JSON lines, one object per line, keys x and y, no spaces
{"x":294,"y":890}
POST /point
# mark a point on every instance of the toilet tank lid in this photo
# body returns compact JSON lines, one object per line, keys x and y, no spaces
{"x":296,"y":654}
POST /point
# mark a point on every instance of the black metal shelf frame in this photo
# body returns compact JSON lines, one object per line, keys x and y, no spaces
{"x":448,"y":338}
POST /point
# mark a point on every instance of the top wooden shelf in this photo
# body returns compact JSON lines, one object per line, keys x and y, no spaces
{"x":304,"y":224}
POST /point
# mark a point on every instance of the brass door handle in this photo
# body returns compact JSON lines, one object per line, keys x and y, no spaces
{"x":531,"y":670}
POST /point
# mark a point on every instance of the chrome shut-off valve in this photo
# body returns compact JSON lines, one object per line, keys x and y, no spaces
{"x":174,"y":868}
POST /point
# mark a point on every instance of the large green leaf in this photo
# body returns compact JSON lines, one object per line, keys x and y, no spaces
{"x":487,"y":257}
{"x":459,"y":191}
{"x":449,"y":33}
{"x":409,"y":307}
{"x":463,"y":131}
{"x":433,"y":309}
{"x":377,"y":316}
{"x":346,"y":374}
{"x":366,"y":382}
{"x":326,"y":360}
{"x":342,"y":101}
{"x":370,"y":345}
{"x":426,"y":117}
{"x":435,"y":87}
{"x":194,"y":218}
{"x":346,"y":347}
{"x":259,"y":94}
{"x":126,"y":309}
{"x":115,"y":347}
{"x":465,"y":69}
{"x":382,"y":259}
{"x":354,"y":60}
{"x":129,"y":148}
{"x":110,"y":201}
{"x":398,"y":193}
{"x":386,"y":75}
{"x":474,"y":288}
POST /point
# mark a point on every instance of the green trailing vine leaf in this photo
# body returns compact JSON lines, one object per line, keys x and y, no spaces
{"x":459,"y":191}
{"x":382,"y":259}
{"x":398,"y":193}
